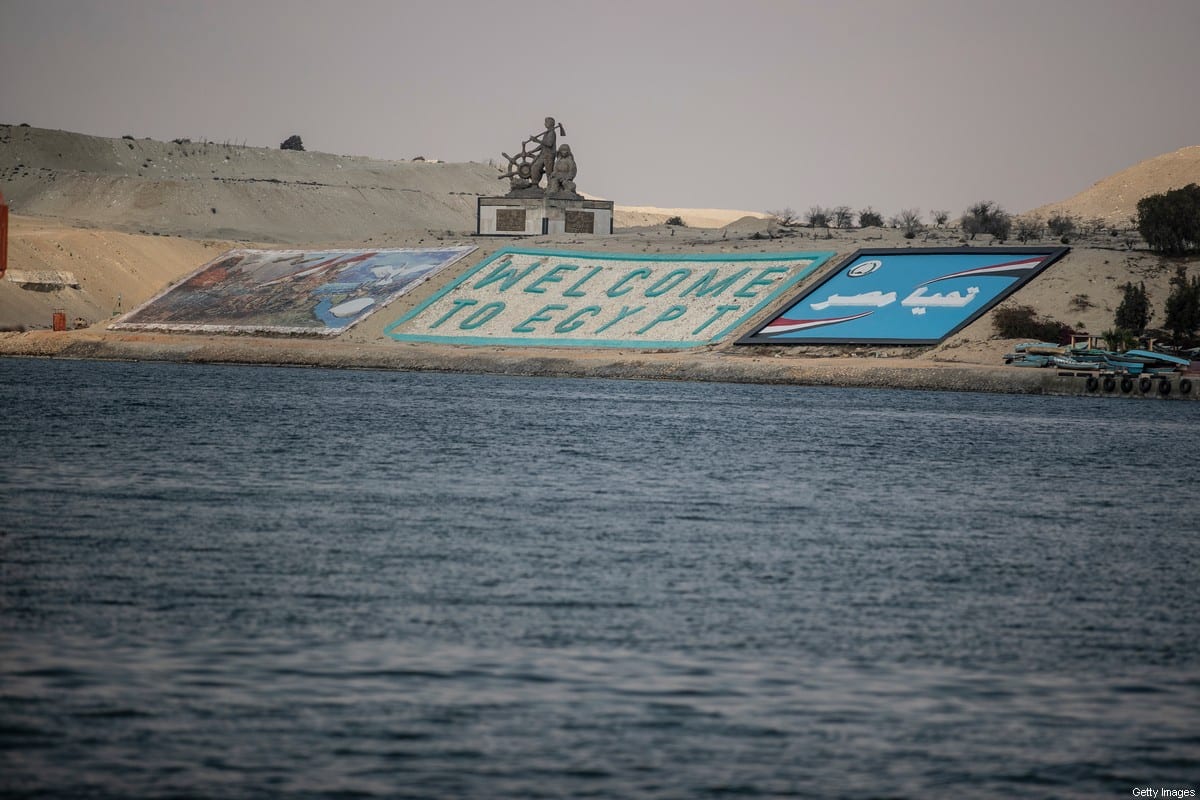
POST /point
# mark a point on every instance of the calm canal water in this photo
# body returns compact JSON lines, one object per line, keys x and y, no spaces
{"x":255,"y":582}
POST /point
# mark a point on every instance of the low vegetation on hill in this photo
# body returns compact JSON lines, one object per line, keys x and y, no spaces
{"x":1170,"y":222}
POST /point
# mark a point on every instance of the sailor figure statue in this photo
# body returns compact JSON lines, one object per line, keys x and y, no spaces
{"x":542,"y":195}
{"x":538,"y":159}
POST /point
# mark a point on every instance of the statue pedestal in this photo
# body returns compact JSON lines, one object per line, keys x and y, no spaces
{"x":536,"y":216}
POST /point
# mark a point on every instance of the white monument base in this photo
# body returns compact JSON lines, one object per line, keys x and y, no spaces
{"x":536,"y":216}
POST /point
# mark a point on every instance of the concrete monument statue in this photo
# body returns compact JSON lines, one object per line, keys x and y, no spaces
{"x":537,"y":160}
{"x":531,"y":209}
{"x":562,"y":178}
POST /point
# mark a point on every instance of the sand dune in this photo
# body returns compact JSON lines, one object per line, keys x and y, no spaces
{"x":220,"y":190}
{"x":1114,"y":199}
{"x":114,"y":271}
{"x":637,"y":216}
{"x":213,"y":190}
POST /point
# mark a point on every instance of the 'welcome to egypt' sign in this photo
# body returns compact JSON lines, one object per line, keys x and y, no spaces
{"x":572,"y":299}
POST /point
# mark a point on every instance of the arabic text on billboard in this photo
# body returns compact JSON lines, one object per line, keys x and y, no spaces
{"x":904,"y":296}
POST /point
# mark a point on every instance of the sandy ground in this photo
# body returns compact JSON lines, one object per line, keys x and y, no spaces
{"x":115,"y":269}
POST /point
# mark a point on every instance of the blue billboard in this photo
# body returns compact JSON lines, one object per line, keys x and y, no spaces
{"x":910,"y":296}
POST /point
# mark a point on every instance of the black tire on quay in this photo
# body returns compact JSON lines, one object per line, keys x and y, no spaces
{"x":1093,"y":383}
{"x":1185,"y":385}
{"x":1164,"y":388}
{"x":1144,"y":385}
{"x":1126,"y":385}
{"x":1110,"y":383}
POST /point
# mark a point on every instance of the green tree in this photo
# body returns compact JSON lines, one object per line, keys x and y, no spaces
{"x":1118,"y":340}
{"x":909,"y":221}
{"x":1061,"y":225}
{"x":1133,"y":313}
{"x":1028,"y":228}
{"x":1022,"y":322}
{"x":986,"y":217}
{"x":1170,"y":222}
{"x":1183,"y":305}
{"x":870,"y":218}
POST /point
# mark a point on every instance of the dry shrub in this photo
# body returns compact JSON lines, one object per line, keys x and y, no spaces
{"x":1022,"y":322}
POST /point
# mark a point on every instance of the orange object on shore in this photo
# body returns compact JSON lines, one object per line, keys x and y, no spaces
{"x":3,"y":236}
{"x":60,"y":319}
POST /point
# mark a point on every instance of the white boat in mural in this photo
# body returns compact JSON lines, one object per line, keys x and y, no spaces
{"x":351,"y":307}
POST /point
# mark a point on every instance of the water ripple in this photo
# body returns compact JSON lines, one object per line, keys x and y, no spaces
{"x":247,"y":582}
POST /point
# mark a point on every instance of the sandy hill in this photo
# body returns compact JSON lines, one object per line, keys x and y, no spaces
{"x":227,"y":191}
{"x":213,"y":190}
{"x":638,"y":216}
{"x":1114,"y":199}
{"x":89,"y":273}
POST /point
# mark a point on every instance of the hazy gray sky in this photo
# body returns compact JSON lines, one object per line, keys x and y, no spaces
{"x":753,"y":104}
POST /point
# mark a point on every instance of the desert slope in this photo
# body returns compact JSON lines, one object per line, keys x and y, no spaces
{"x":1114,"y":199}
{"x":105,"y":272}
{"x":227,"y":191}
{"x":213,"y":190}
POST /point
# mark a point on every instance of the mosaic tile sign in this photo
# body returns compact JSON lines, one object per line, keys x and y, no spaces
{"x":321,"y":292}
{"x":910,"y":296}
{"x":573,"y":299}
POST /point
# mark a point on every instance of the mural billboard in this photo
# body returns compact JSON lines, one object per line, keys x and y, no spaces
{"x":322,"y":292}
{"x":910,"y":296}
{"x":574,"y":299}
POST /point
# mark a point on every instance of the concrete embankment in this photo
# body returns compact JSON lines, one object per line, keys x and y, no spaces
{"x":739,"y":365}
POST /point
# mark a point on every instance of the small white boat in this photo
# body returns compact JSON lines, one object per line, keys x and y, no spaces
{"x":351,"y":307}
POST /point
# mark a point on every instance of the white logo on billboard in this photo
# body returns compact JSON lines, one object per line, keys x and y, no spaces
{"x":865,"y":268}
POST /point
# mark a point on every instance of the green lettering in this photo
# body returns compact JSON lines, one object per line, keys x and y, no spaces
{"x":481,"y":316}
{"x":459,"y":305}
{"x":612,"y":292}
{"x":721,"y":311}
{"x":626,"y":312}
{"x":705,"y":285}
{"x":674,"y":312}
{"x":576,"y":320}
{"x":760,"y":280}
{"x":574,"y":290}
{"x":540,"y":316}
{"x":507,"y":274}
{"x":668,"y":282}
{"x":550,"y":277}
